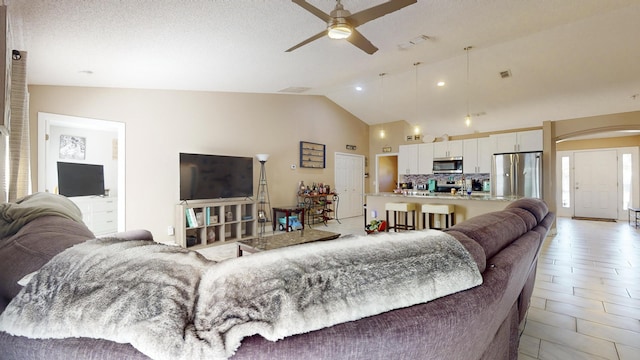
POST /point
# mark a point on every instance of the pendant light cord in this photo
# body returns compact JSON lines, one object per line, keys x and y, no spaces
{"x":468,"y":117}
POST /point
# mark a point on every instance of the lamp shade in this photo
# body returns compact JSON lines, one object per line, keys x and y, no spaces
{"x":262,"y":157}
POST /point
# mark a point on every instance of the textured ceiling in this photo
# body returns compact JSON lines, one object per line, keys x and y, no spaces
{"x":568,"y":58}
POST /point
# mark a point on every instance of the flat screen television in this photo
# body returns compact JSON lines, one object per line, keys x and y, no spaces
{"x":75,"y":179}
{"x":215,"y":176}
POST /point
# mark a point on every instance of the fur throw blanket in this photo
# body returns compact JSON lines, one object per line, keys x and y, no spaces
{"x":171,"y":303}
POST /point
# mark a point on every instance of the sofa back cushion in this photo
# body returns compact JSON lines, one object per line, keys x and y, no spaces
{"x":537,"y":207}
{"x":34,"y":245}
{"x":528,"y":218}
{"x":493,"y":231}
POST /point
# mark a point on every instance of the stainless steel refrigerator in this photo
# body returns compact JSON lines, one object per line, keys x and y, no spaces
{"x":517,"y":174}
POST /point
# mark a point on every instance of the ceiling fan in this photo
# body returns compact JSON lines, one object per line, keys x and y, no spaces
{"x":341,"y":24}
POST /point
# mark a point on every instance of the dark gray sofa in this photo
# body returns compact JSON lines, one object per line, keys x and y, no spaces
{"x":479,"y":323}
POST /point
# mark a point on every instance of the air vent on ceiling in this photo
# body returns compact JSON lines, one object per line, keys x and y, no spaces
{"x":294,"y":89}
{"x":505,"y":74}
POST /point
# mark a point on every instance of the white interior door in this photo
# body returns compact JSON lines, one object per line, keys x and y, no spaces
{"x":596,"y":184}
{"x":349,"y":174}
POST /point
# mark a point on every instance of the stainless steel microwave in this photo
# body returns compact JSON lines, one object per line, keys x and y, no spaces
{"x":450,"y":165}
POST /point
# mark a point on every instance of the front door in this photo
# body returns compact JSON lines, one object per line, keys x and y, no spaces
{"x":349,"y":173}
{"x":596,"y":184}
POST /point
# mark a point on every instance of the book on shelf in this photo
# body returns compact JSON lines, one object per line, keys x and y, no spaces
{"x":192,"y":221}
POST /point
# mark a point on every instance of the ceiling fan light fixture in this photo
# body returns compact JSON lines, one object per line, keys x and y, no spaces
{"x":339,"y":31}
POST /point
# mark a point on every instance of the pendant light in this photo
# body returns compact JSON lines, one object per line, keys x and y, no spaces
{"x":382,"y":133}
{"x":467,"y":119}
{"x":416,"y":128}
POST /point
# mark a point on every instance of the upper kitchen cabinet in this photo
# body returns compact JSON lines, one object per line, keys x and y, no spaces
{"x":517,"y":141}
{"x":477,"y":155}
{"x":408,"y":159}
{"x":447,"y":149}
{"x":425,"y":158}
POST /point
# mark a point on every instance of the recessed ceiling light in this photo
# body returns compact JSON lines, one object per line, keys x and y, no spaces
{"x":359,"y":88}
{"x":440,"y":83}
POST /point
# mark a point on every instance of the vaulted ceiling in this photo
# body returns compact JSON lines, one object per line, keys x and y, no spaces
{"x":565,"y":58}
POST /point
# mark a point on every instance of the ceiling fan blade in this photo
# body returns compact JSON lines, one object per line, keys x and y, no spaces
{"x":377,"y":11}
{"x":360,"y":41}
{"x":314,"y":37}
{"x":314,"y":10}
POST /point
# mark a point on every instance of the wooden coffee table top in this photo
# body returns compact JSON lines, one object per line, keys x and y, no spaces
{"x":284,"y":239}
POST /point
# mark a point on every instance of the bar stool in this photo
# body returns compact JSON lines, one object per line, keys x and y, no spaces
{"x":441,"y":209}
{"x":401,"y":207}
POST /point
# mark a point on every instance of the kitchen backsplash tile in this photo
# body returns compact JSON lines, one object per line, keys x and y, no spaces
{"x":441,"y":178}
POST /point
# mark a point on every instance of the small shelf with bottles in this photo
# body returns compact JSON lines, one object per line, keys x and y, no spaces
{"x":201,"y":224}
{"x":319,"y":202}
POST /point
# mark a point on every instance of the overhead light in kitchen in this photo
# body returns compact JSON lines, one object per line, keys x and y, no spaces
{"x":416,"y":129}
{"x":467,"y":119}
{"x":382,"y":133}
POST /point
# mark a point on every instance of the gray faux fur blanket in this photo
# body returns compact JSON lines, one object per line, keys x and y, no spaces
{"x":171,"y":303}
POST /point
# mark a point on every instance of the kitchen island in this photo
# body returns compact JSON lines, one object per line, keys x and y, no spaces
{"x":466,"y":206}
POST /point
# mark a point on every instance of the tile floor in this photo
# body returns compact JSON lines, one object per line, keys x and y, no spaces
{"x":586,"y":302}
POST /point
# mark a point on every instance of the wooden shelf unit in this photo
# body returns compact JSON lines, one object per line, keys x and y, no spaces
{"x":312,"y":155}
{"x":216,"y":222}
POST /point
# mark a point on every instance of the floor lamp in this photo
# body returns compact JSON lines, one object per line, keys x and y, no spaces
{"x":264,"y":204}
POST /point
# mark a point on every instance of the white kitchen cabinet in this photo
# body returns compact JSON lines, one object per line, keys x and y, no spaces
{"x":408,"y":159}
{"x":444,"y":149}
{"x":517,"y":141}
{"x":476,"y":155}
{"x":425,"y":158}
{"x":529,"y":140}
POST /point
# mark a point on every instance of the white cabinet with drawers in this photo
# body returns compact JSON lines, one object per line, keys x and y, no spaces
{"x":100,"y":214}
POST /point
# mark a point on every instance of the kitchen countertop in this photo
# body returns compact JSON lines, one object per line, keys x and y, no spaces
{"x":478,"y":195}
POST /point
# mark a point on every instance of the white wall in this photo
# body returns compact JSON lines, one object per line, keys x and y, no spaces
{"x":161,"y":124}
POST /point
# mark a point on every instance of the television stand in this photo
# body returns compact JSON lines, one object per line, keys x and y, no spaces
{"x":202,"y":223}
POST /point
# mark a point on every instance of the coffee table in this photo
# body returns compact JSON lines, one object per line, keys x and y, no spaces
{"x":281,"y":240}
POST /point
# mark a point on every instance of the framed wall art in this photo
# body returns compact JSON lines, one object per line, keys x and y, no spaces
{"x":73,"y":147}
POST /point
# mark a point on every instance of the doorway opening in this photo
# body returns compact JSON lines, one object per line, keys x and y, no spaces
{"x":386,"y":172}
{"x":107,"y":138}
